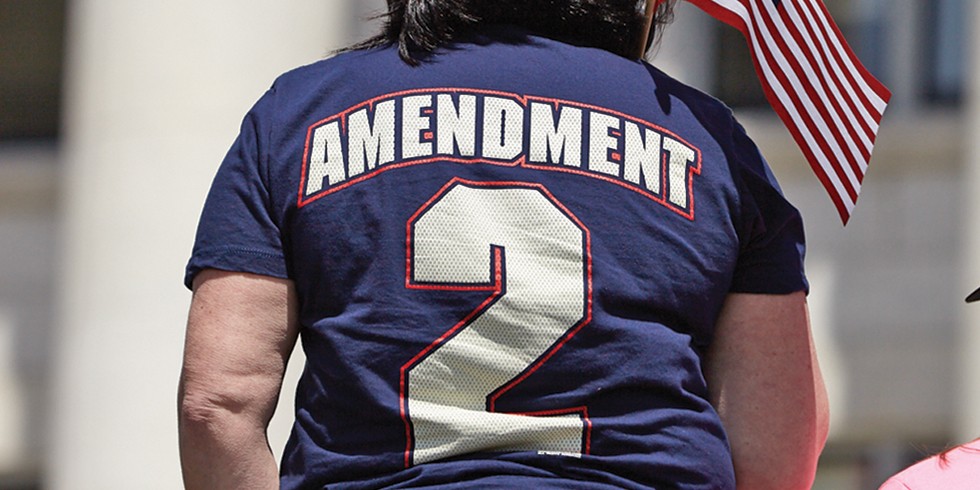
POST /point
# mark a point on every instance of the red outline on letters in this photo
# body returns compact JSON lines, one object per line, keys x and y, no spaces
{"x":497,"y":289}
{"x":521,"y":161}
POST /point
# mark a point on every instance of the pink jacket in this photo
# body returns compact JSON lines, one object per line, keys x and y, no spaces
{"x":960,"y":470}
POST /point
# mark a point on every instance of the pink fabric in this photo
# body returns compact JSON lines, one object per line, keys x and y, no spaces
{"x":960,"y":471}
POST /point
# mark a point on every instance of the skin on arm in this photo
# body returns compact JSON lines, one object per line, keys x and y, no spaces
{"x":240,"y":332}
{"x":764,"y":380}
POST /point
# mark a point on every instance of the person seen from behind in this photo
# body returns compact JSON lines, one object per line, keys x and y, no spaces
{"x":517,"y":255}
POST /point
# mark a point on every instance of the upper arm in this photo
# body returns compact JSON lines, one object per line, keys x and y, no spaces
{"x":764,"y":381}
{"x":240,"y":332}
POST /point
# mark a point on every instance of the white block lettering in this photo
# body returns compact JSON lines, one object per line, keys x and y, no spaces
{"x":413,"y":123}
{"x":369,"y":147}
{"x":503,"y":128}
{"x":601,"y":141}
{"x":456,"y":128}
{"x":642,"y":160}
{"x":678,"y":169}
{"x":326,"y":158}
{"x":563,"y":140}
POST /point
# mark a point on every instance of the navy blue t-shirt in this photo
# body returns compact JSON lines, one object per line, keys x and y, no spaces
{"x":509,"y":261}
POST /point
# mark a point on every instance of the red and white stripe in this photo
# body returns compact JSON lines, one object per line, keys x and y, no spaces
{"x":831,"y":104}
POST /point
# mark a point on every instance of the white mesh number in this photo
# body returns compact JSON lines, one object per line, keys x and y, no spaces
{"x":518,"y":242}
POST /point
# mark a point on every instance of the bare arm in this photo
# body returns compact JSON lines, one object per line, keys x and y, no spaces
{"x":240,"y":332}
{"x":764,"y":380}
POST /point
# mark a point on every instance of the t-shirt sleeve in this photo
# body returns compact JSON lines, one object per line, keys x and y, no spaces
{"x":894,"y":483}
{"x":772,"y":244}
{"x":238,"y":230}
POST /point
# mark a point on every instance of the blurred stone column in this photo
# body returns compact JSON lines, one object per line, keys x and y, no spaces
{"x":686,"y":51}
{"x":969,"y":403}
{"x":155,"y":94}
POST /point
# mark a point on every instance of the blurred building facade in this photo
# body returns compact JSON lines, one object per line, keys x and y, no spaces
{"x":115,"y":115}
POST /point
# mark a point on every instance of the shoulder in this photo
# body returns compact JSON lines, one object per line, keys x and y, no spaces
{"x":336,"y":78}
{"x":708,"y":109}
{"x":742,"y":155}
{"x":338,"y":66}
{"x":715,"y":117}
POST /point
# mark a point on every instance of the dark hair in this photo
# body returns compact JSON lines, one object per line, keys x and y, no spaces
{"x":944,"y":456}
{"x":418,"y":27}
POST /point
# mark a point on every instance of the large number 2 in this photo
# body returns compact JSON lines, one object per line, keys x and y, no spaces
{"x":516,"y":241}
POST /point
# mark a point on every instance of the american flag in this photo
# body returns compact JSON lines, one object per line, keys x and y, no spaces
{"x":831,"y":104}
